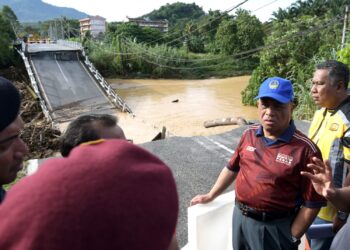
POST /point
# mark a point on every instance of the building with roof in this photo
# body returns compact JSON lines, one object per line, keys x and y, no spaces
{"x":94,"y":24}
{"x":162,"y":25}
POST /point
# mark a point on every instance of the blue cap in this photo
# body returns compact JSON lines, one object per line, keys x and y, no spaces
{"x":276,"y":88}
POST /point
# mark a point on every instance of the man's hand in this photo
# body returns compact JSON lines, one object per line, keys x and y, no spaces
{"x":321,"y":177}
{"x":201,"y":199}
{"x":337,"y":224}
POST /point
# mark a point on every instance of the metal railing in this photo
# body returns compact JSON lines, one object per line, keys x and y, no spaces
{"x":117,"y":100}
{"x":72,"y":44}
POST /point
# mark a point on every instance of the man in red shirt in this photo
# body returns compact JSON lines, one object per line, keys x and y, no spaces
{"x":275,"y":205}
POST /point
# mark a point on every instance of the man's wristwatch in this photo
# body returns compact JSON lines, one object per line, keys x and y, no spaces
{"x":342,"y":215}
{"x":295,"y":241}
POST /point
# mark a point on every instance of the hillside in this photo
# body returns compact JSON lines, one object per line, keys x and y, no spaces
{"x":36,"y":10}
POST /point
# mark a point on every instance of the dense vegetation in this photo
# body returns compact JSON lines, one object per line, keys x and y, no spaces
{"x":300,"y":37}
{"x":8,"y":23}
{"x":208,"y":45}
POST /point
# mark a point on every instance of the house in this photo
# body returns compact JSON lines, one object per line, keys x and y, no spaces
{"x":162,"y":25}
{"x":94,"y":24}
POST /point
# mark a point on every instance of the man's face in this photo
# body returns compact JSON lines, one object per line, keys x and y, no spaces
{"x":274,"y":116}
{"x":323,"y":92}
{"x":12,"y":151}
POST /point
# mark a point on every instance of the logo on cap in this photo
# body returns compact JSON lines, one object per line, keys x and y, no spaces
{"x":274,"y":84}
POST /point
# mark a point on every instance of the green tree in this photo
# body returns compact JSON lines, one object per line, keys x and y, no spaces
{"x":194,"y":41}
{"x":250,"y":34}
{"x":11,"y":18}
{"x":176,"y":12}
{"x":312,"y":8}
{"x":7,"y":37}
{"x":292,"y":50}
{"x":226,"y":37}
{"x":147,"y":35}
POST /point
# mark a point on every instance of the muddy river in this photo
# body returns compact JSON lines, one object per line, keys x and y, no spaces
{"x":182,"y":106}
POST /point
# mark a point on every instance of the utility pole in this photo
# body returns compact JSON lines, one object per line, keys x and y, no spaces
{"x":68,"y":27}
{"x":344,"y":27}
{"x":56,"y":34}
{"x":62,"y":30}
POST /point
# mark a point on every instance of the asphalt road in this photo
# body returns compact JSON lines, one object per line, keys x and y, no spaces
{"x":196,"y":163}
{"x":68,"y":87}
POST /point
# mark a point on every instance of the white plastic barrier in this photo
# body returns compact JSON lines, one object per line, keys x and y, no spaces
{"x":209,"y":226}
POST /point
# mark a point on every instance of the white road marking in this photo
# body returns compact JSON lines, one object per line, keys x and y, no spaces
{"x":220,"y":145}
{"x":59,"y":66}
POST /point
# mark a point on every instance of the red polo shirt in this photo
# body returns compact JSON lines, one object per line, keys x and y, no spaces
{"x":269,"y":174}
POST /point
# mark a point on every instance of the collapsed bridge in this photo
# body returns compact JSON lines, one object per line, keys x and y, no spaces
{"x":66,"y":82}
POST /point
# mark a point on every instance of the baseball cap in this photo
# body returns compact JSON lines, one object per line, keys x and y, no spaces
{"x":109,"y":194}
{"x":277,"y":88}
{"x":10,"y":102}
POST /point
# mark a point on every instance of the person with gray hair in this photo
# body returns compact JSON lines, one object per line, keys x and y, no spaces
{"x":330,"y":131}
{"x":12,"y":147}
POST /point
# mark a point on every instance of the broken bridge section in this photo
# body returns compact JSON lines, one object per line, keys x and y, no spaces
{"x":66,"y":83}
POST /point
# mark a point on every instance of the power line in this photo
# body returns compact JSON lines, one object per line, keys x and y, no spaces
{"x":214,"y":58}
{"x":217,"y":18}
{"x":250,"y":52}
{"x":265,"y":5}
{"x":223,"y":13}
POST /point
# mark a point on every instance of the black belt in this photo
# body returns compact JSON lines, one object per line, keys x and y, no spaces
{"x":263,"y":216}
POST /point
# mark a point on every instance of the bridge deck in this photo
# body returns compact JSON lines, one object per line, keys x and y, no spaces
{"x":68,"y":88}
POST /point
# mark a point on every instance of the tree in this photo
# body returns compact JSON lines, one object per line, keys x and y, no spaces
{"x":7,"y":36}
{"x":292,"y":50}
{"x":250,"y":32}
{"x":226,"y":38}
{"x":194,"y":41}
{"x":175,"y":12}
{"x":147,"y":35}
{"x":312,"y":8}
{"x":10,"y":16}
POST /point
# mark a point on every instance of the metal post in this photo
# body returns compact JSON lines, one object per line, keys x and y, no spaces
{"x":344,"y":27}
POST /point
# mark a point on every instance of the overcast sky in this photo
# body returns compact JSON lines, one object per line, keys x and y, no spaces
{"x":118,"y":10}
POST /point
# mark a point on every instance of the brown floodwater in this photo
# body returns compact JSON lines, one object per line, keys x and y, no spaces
{"x":182,"y":106}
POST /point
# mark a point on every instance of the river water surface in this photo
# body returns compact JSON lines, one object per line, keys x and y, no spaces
{"x":182,"y":106}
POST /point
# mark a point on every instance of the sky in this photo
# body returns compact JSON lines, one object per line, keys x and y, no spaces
{"x":118,"y":10}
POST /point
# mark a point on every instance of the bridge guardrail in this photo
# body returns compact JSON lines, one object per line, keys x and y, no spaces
{"x":35,"y":85}
{"x":117,"y":100}
{"x":71,"y":44}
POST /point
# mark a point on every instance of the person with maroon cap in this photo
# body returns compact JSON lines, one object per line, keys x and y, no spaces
{"x":12,"y":147}
{"x":275,"y":205}
{"x":107,"y":194}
